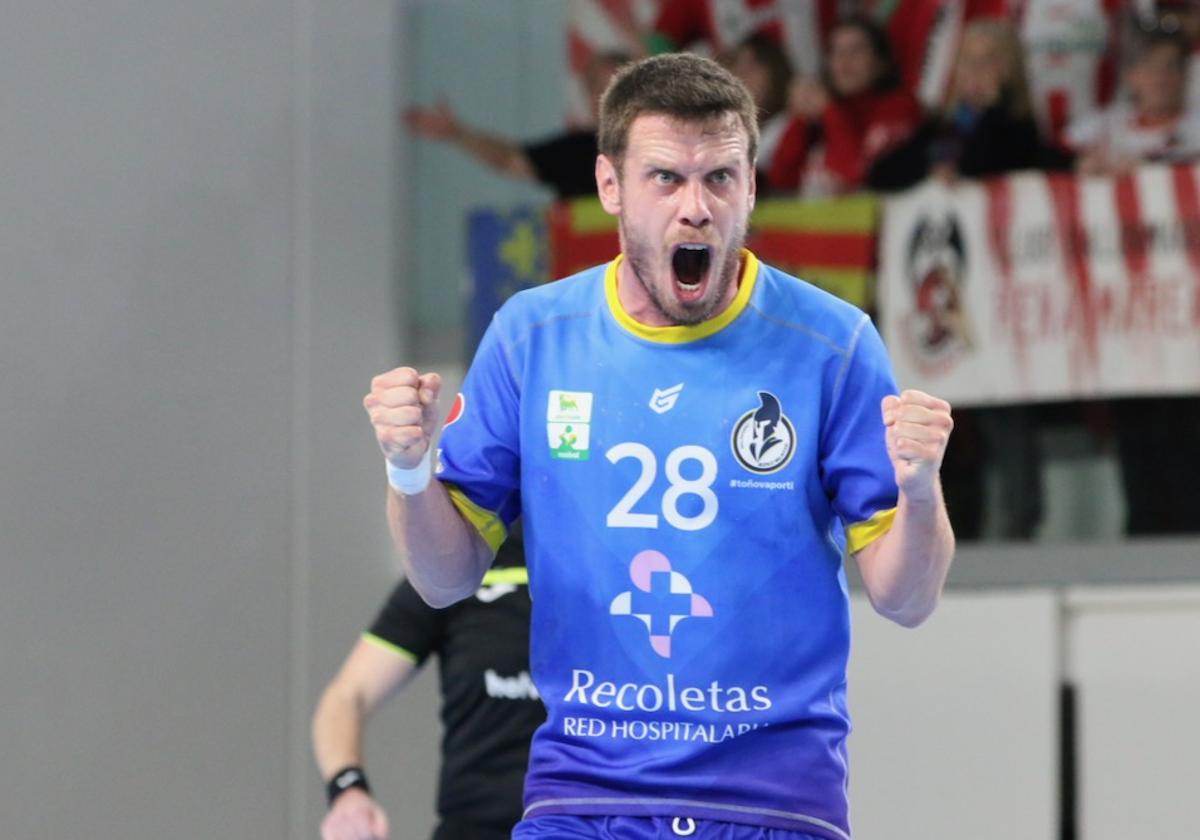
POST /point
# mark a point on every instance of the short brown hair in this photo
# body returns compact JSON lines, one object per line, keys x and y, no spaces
{"x":680,"y":85}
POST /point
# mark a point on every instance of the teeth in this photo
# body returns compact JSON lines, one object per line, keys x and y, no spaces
{"x":693,"y":247}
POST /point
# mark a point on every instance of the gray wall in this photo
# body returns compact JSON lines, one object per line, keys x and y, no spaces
{"x":501,"y":66}
{"x":198,"y":250}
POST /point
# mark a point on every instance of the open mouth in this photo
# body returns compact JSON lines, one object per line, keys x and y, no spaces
{"x":689,"y":265}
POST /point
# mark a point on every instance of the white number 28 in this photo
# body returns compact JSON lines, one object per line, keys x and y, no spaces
{"x":623,"y":516}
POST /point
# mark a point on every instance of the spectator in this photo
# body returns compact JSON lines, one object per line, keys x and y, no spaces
{"x":1183,"y":15}
{"x":763,"y":67}
{"x":1070,"y":49}
{"x":1151,"y":124}
{"x":839,"y":126}
{"x":985,"y":128}
{"x":565,"y":162}
{"x":1072,"y":56}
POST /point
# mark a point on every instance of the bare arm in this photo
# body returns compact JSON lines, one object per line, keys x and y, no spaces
{"x":367,"y":677}
{"x":443,"y":556}
{"x":905,"y":569}
{"x":439,"y":123}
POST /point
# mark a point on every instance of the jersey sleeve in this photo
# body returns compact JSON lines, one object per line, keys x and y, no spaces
{"x":856,"y":470}
{"x":406,"y":625}
{"x":479,"y":457}
{"x":566,"y":163}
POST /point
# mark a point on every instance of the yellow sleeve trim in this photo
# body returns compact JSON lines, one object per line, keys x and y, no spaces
{"x":518,"y":575}
{"x":861,"y":534}
{"x":489,"y":525}
{"x":384,"y":644}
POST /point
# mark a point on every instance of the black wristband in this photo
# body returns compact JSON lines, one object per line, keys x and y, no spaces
{"x":343,"y":780}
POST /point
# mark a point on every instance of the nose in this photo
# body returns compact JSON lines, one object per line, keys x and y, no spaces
{"x":693,"y":208}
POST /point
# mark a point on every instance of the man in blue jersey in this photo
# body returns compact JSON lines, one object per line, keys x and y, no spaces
{"x":694,"y":440}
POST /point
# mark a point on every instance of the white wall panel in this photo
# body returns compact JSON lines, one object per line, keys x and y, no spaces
{"x":1134,"y":656}
{"x":955,"y":722}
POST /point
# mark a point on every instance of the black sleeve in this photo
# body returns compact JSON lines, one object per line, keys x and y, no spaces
{"x":907,"y":163}
{"x":566,"y":163}
{"x":1000,"y":143}
{"x":408,"y":623}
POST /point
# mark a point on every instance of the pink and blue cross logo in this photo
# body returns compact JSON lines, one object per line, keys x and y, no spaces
{"x":662,"y":598}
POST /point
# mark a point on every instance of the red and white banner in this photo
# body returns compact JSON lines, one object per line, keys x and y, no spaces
{"x":1045,"y":287}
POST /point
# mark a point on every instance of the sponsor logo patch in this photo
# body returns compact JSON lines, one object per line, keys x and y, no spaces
{"x":569,"y":407}
{"x":456,"y":410}
{"x":664,"y":399}
{"x":661,"y":598}
{"x":568,"y":425}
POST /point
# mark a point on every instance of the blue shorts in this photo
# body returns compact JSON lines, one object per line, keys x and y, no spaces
{"x":567,"y":827}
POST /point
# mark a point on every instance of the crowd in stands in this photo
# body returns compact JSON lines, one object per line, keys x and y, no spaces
{"x":881,"y":95}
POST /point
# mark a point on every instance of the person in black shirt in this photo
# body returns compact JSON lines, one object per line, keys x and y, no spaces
{"x":489,"y":707}
{"x":565,"y":162}
{"x":986,"y":126}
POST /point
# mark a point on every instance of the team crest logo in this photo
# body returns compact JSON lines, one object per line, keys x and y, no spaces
{"x":660,"y":599}
{"x":763,"y":438}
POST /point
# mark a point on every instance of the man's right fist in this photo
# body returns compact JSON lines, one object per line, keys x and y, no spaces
{"x":403,"y":409}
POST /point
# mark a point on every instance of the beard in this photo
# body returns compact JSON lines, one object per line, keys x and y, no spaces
{"x":642,"y":255}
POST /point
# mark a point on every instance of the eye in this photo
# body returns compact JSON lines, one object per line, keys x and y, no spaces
{"x":721,"y":177}
{"x":664,"y":178}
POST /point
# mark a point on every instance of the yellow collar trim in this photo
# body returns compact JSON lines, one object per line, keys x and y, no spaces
{"x":680,"y":334}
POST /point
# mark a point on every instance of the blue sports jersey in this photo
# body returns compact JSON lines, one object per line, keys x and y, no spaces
{"x":688,"y":494}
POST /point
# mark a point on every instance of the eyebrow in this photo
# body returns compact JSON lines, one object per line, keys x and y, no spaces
{"x":734,"y":163}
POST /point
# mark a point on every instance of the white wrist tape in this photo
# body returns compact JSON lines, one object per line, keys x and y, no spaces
{"x":412,"y":481}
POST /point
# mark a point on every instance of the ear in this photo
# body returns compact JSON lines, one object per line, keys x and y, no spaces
{"x":608,"y":185}
{"x":753,"y":188}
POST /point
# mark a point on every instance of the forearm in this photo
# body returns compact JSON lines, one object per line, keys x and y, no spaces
{"x":905,"y":569}
{"x":495,"y":152}
{"x":337,"y":730}
{"x":442,"y":554}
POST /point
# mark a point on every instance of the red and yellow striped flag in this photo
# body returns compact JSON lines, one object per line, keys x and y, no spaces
{"x":829,"y":242}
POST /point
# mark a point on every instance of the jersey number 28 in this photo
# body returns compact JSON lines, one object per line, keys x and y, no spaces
{"x":623,"y":516}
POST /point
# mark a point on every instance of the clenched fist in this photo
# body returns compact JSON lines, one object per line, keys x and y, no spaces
{"x":403,"y":409}
{"x":918,"y":428}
